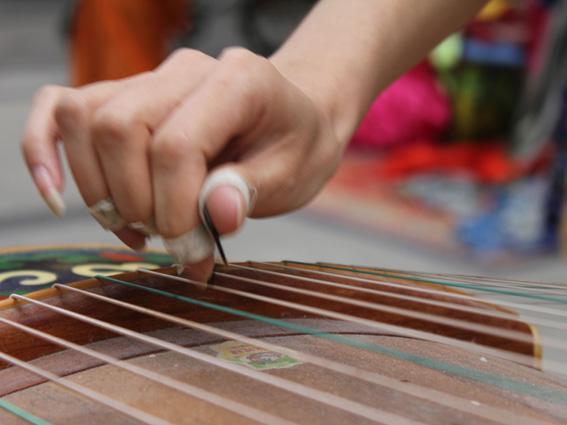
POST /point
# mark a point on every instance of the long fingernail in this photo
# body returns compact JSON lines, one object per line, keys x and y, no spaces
{"x":48,"y":191}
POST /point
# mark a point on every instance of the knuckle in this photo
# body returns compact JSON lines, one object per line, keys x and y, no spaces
{"x":47,"y":91}
{"x":32,"y":143}
{"x":168,"y":148}
{"x":252,"y":95}
{"x":110,"y":127}
{"x":137,"y":212}
{"x":28,"y":146}
{"x":242,"y":88}
{"x":249,"y":75}
{"x":68,"y":110}
{"x":238,"y":55}
{"x":186,"y":56}
{"x":168,"y":228}
{"x":239,"y":60}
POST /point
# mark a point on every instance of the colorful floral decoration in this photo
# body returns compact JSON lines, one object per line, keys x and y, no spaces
{"x":28,"y":270}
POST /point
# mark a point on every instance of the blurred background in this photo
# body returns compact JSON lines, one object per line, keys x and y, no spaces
{"x":458,"y":167}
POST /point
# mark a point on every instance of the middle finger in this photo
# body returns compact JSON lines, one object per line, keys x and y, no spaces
{"x":124,"y":125}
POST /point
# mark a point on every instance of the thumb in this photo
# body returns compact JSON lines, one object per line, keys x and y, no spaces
{"x":228,"y":198}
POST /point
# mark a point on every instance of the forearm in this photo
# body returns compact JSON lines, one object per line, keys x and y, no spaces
{"x":345,"y":52}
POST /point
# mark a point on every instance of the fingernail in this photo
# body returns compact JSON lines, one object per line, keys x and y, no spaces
{"x":241,"y":209}
{"x":200,"y":273}
{"x":246,"y":194}
{"x":227,"y":202}
{"x":48,"y":191}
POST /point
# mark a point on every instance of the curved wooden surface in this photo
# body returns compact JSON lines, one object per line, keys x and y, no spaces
{"x":33,"y":393}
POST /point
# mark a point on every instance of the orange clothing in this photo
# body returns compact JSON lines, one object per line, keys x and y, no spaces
{"x":117,"y":38}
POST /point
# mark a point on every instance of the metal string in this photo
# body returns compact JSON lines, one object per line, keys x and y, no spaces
{"x":537,"y":309}
{"x":484,"y":279}
{"x":219,"y":401}
{"x":443,"y":282}
{"x":454,"y":306}
{"x":543,"y":287}
{"x":87,"y":392}
{"x":485,"y":283}
{"x":502,"y":382}
{"x":487,"y":412}
{"x":408,"y":312}
{"x":526,"y":289}
{"x":413,"y":333}
{"x":21,"y":413}
{"x":417,"y":392}
{"x":358,"y":409}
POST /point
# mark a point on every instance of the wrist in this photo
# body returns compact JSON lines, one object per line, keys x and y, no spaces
{"x":327,"y":93}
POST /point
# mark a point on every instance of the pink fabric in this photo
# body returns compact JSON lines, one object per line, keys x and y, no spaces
{"x":539,"y":28}
{"x":413,"y":108}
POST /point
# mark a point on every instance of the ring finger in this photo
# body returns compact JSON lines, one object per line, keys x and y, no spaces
{"x":72,"y":116}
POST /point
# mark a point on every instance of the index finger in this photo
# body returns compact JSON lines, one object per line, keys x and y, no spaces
{"x":39,"y":147}
{"x":41,"y":135}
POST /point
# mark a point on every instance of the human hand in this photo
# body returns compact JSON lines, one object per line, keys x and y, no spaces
{"x":150,"y":141}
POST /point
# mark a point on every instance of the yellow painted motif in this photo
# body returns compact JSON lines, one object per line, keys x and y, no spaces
{"x":33,"y":277}
{"x":93,"y":269}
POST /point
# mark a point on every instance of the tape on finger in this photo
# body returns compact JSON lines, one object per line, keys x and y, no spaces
{"x":106,"y":214}
{"x":231,"y":178}
{"x":196,"y":245}
{"x":147,"y":229}
{"x":191,"y":247}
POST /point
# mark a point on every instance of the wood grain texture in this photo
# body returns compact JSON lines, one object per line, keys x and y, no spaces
{"x":179,"y":409}
{"x":27,"y":348}
{"x":33,"y":393}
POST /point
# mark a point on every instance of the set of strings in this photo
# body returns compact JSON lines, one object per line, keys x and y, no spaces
{"x":323,"y":272}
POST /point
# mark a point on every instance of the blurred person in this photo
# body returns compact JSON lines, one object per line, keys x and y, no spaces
{"x":243,"y":135}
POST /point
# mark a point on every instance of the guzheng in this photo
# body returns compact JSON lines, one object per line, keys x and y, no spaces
{"x":285,"y":343}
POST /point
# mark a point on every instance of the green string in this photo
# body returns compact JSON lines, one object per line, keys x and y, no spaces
{"x":22,"y":414}
{"x":440,"y":282}
{"x":537,"y":391}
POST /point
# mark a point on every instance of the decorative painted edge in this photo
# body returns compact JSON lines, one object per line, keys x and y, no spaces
{"x":22,"y":249}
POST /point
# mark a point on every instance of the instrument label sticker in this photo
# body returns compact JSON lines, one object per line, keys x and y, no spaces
{"x":253,"y":357}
